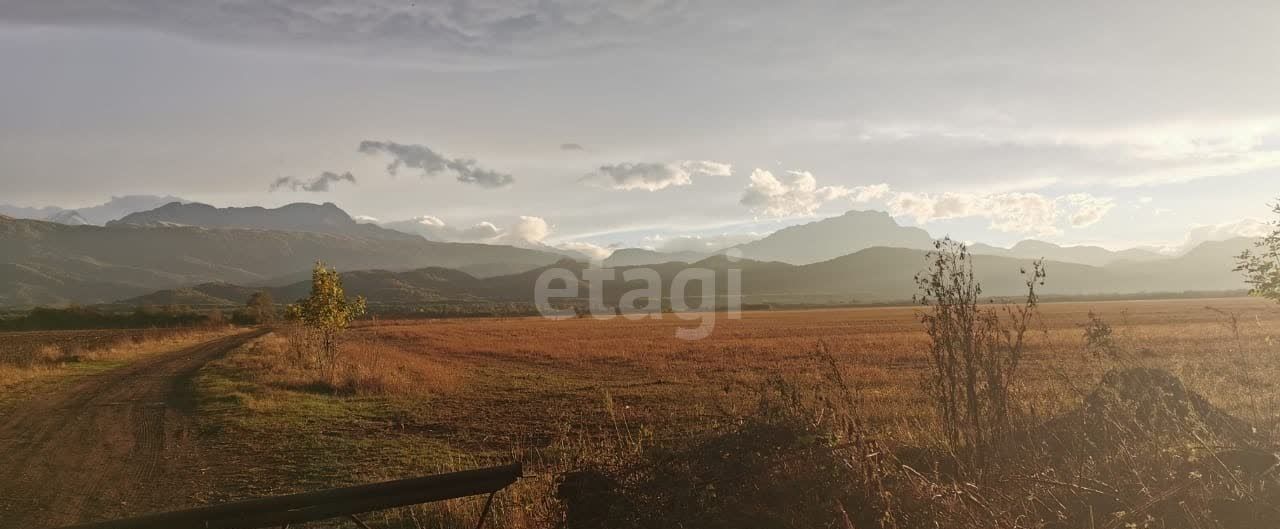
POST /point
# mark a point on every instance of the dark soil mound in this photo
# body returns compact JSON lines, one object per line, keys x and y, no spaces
{"x":1151,"y":403}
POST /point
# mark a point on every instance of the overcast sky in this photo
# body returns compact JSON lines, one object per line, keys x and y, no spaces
{"x":639,"y":122}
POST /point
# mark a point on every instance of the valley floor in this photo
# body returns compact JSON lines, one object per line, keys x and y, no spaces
{"x":428,"y":396}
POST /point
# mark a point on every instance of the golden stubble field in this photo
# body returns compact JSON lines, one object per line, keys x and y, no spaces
{"x":497,"y":382}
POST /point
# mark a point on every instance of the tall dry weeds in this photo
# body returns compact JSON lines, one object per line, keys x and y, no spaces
{"x":974,"y":352}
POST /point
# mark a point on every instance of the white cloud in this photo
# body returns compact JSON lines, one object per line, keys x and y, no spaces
{"x":365,"y":219}
{"x":699,"y":243}
{"x":1029,"y":213}
{"x":869,"y":193}
{"x":429,"y":220}
{"x":1247,"y":227}
{"x":436,"y":229}
{"x":528,"y":230}
{"x":1087,"y":209}
{"x":595,"y":252}
{"x":655,"y":176}
{"x":793,"y":193}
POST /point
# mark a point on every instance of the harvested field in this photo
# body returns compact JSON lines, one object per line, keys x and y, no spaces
{"x":426,"y":396}
{"x":20,"y":347}
{"x":522,"y":372}
{"x":416,"y":397}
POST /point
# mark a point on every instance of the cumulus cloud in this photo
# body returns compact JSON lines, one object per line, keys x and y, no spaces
{"x":318,"y":184}
{"x":796,"y":193}
{"x":431,"y":163}
{"x":1029,"y":213}
{"x":651,"y":176}
{"x":528,"y":229}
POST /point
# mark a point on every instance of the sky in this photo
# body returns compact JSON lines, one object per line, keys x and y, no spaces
{"x":665,"y":124}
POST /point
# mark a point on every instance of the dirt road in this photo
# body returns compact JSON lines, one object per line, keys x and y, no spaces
{"x":115,"y":444}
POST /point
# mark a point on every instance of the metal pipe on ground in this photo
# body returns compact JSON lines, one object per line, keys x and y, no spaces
{"x":325,"y":504}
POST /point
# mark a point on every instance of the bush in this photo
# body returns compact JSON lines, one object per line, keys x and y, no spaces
{"x":973,"y":354}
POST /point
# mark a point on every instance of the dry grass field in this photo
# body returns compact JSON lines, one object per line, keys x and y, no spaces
{"x":35,"y":356}
{"x":431,"y":395}
{"x":523,"y":373}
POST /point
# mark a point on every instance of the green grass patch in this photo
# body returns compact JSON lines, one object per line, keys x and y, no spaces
{"x":264,"y":440}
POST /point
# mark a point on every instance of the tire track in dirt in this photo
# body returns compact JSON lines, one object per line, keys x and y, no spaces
{"x":113,"y":444}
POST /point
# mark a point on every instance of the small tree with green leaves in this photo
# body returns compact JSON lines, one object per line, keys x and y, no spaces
{"x":1261,"y":266}
{"x":261,"y":307}
{"x":327,"y":312}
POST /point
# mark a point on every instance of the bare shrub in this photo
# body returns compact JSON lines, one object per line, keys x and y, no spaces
{"x":974,"y":353}
{"x":284,"y":359}
{"x":800,"y":458}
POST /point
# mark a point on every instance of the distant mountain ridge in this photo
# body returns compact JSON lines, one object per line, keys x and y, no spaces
{"x":877,"y":274}
{"x":301,"y":216}
{"x":178,"y":245}
{"x":98,"y":215}
{"x":642,"y":256}
{"x":833,"y":237}
{"x":1090,"y":255}
{"x":48,"y":263}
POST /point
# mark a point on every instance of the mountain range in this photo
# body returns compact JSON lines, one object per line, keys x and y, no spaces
{"x":100,"y":214}
{"x":207,"y":255}
{"x":833,"y":237}
{"x":298,"y":217}
{"x":49,"y":263}
{"x":878,"y":274}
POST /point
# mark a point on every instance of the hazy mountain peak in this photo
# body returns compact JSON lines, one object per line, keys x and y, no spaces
{"x":832,"y":237}
{"x":645,"y":256}
{"x":298,"y":216}
{"x":1081,"y":254}
{"x":117,"y":207}
{"x":68,"y":217}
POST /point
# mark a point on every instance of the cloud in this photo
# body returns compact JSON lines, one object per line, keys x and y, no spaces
{"x":365,"y":219}
{"x":572,"y":147}
{"x":431,"y":163}
{"x":1086,"y":209}
{"x":1027,"y":155}
{"x":528,"y":229}
{"x":869,"y":193}
{"x":318,"y":184}
{"x":1029,"y":213}
{"x":1247,"y":227}
{"x":594,"y":252}
{"x":480,"y":231}
{"x":456,"y":33}
{"x":654,"y":176}
{"x":699,"y":243}
{"x":525,"y":230}
{"x":796,"y":193}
